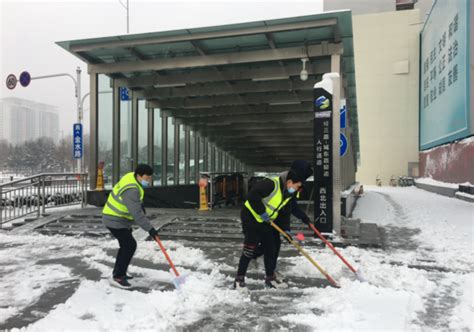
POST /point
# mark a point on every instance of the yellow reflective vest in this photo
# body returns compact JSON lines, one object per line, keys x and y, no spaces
{"x":114,"y":206}
{"x":273,"y":202}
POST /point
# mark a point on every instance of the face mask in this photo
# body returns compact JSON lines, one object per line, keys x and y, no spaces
{"x":144,"y":183}
{"x":291,"y":190}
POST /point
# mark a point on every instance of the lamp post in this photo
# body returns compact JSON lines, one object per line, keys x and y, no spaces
{"x":127,"y":8}
{"x":77,"y":89}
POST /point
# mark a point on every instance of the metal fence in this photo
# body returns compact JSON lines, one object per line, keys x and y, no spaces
{"x":34,"y":194}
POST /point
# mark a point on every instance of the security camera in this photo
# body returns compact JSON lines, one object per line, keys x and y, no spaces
{"x":304,"y":75}
{"x":304,"y":72}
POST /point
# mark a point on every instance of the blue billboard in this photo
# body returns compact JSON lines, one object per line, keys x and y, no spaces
{"x":444,"y":74}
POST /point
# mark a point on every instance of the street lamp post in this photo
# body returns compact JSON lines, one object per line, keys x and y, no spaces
{"x":127,"y":8}
{"x":77,"y":86}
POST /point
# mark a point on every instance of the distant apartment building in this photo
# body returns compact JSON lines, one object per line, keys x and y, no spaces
{"x":22,"y":120}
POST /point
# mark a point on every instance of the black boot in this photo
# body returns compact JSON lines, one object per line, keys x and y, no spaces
{"x":239,"y":284}
{"x":274,"y":282}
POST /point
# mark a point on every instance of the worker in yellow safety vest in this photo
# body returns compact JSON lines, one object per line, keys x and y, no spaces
{"x":266,"y":201}
{"x":123,"y":209}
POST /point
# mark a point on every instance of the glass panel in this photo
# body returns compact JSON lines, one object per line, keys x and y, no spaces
{"x":192,"y":169}
{"x":170,"y":152}
{"x":105,"y":109}
{"x":181,"y":154}
{"x":157,"y":148}
{"x":125,"y":137}
{"x":142,"y":133}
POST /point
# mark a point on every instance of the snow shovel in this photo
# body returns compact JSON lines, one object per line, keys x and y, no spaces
{"x":358,"y":273}
{"x":178,"y":280}
{"x":305,"y":254}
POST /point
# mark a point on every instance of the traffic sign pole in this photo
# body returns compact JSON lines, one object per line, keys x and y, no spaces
{"x":77,"y":89}
{"x":79,"y":112}
{"x":25,"y":79}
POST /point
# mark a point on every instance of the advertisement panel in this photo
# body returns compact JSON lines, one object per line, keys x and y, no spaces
{"x":444,"y":74}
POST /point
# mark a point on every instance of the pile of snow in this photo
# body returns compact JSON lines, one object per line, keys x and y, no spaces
{"x":116,"y":309}
{"x":398,"y":296}
{"x":358,"y":306}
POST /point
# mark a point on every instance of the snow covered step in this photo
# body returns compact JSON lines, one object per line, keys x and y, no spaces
{"x":350,"y":228}
{"x":369,"y":235}
{"x":17,"y":223}
{"x":445,"y":190}
{"x":465,"y":197}
{"x":6,"y":227}
{"x":200,"y":236}
{"x":201,"y":227}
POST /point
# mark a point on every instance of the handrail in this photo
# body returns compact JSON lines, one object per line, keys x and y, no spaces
{"x":39,"y":175}
{"x":35,"y":193}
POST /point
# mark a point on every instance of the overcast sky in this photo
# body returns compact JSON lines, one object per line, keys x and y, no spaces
{"x":29,"y":30}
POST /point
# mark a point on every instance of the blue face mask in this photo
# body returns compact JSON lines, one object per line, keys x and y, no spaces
{"x":144,"y":183}
{"x":291,"y":190}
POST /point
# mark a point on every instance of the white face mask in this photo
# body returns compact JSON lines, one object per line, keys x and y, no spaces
{"x":291,"y":190}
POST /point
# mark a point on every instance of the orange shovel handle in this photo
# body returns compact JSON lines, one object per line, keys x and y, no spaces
{"x":157,"y":239}
{"x":329,"y":244}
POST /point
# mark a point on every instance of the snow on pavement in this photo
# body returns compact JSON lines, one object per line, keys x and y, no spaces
{"x":422,"y":278}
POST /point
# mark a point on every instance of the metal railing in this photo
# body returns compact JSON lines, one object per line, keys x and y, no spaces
{"x":34,"y":194}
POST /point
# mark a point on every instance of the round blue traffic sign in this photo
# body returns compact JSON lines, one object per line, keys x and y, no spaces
{"x":25,"y":79}
{"x":342,"y":144}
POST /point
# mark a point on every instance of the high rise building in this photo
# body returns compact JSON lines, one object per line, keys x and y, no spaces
{"x":22,"y":120}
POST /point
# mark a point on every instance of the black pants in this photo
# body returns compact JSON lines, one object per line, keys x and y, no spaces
{"x":283,"y":221}
{"x":257,"y":233}
{"x":277,"y":246}
{"x":128,"y":245}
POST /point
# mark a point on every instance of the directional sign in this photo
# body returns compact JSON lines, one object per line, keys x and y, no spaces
{"x":25,"y":79}
{"x":124,"y":96}
{"x":11,"y":81}
{"x":77,"y":141}
{"x":343,"y":116}
{"x":342,"y":144}
{"x":323,"y":159}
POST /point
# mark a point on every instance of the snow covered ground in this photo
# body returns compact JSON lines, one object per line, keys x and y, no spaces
{"x":421,"y":279}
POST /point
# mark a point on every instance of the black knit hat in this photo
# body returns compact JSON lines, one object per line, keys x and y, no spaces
{"x":300,"y":171}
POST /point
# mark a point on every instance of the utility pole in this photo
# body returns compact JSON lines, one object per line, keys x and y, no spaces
{"x":127,"y":8}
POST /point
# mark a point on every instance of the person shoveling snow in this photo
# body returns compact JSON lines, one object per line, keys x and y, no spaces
{"x":124,"y":208}
{"x":266,"y":200}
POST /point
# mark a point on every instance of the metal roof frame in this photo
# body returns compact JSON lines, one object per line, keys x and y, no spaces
{"x":233,"y":80}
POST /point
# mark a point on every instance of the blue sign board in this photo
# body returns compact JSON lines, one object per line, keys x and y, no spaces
{"x":77,"y":141}
{"x":25,"y":79}
{"x":124,"y":96}
{"x":444,"y":74}
{"x":343,"y":116}
{"x":342,"y":144}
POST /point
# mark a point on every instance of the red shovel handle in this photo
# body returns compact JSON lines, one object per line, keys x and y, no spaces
{"x":157,"y":239}
{"x":332,"y":247}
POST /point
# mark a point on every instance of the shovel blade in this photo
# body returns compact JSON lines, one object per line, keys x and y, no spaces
{"x":179,"y":281}
{"x":360,"y":276}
